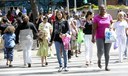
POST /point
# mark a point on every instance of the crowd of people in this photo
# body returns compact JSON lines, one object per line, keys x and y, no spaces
{"x":67,"y":31}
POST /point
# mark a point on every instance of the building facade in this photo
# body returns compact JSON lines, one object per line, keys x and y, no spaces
{"x":116,"y":2}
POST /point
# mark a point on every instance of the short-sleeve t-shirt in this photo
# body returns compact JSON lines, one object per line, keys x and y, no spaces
{"x":120,"y":27}
{"x":102,"y":23}
{"x":47,"y":26}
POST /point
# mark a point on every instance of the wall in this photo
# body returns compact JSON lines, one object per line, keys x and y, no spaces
{"x":112,"y":2}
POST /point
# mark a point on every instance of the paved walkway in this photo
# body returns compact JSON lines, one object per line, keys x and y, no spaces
{"x":76,"y":66}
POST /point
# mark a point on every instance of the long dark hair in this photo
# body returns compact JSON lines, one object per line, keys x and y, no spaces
{"x":67,"y":14}
{"x":88,"y":13}
{"x":57,"y":17}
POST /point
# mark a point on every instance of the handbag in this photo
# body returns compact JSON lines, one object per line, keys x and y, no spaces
{"x":115,"y":45}
{"x":66,"y":41}
{"x":110,"y":35}
{"x":80,"y":36}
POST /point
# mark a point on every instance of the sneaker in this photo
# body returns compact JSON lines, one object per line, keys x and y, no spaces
{"x":66,"y":69}
{"x":43,"y":65}
{"x":91,"y":63}
{"x":99,"y":64}
{"x":87,"y":63}
{"x":7,"y":63}
{"x":10,"y":65}
{"x":106,"y":69}
{"x":46,"y":63}
{"x":76,"y":55}
{"x":120,"y":61}
{"x":60,"y":69}
{"x":29,"y":65}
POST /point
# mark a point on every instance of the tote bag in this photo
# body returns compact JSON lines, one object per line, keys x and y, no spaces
{"x":110,"y":35}
{"x":80,"y":37}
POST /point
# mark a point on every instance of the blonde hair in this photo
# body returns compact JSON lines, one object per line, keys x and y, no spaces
{"x":42,"y":35}
{"x":25,"y":17}
{"x":120,"y":14}
{"x":9,"y":29}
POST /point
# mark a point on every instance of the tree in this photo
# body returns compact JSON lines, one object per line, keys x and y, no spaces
{"x":93,"y":2}
{"x":34,"y":8}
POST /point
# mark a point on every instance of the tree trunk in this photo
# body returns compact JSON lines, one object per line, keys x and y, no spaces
{"x":34,"y":9}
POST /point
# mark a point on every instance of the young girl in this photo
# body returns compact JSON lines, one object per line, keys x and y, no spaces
{"x":45,"y":30}
{"x":120,"y":28}
{"x":9,"y":43}
{"x":43,"y":47}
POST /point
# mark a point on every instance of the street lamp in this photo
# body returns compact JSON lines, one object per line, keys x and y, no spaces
{"x":90,"y":7}
{"x":105,"y":3}
{"x":68,"y":6}
{"x":75,"y":5}
{"x":102,"y":2}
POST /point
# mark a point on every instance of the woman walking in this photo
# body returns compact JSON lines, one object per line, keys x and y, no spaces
{"x":60,"y":29}
{"x":101,"y":21}
{"x":25,"y":38}
{"x":88,"y":36}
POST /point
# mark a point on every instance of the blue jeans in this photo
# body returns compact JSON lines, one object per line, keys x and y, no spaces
{"x":59,"y":46}
{"x":126,"y":49}
{"x":9,"y":53}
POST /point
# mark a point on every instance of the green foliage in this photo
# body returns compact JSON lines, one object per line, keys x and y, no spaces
{"x":117,"y":7}
{"x":95,"y":7}
{"x":111,"y":7}
{"x":122,"y":7}
{"x":86,"y":6}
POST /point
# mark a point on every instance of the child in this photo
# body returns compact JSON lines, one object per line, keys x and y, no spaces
{"x":120,"y":27}
{"x":74,"y":31}
{"x":9,"y":43}
{"x":43,"y":47}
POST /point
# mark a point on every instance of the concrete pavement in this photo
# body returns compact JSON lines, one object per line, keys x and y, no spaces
{"x":76,"y":66}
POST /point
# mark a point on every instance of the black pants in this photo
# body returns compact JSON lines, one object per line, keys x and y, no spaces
{"x":69,"y":54}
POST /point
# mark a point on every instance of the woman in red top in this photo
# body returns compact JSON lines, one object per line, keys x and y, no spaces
{"x":10,"y":16}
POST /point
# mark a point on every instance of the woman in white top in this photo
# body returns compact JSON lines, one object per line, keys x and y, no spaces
{"x":120,"y":27}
